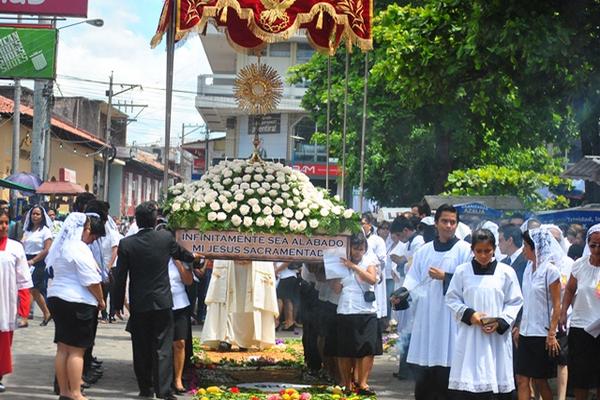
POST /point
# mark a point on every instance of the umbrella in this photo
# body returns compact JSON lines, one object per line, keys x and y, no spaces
{"x":25,"y":179}
{"x":15,"y":186}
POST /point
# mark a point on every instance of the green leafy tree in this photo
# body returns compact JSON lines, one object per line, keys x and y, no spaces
{"x":453,"y":85}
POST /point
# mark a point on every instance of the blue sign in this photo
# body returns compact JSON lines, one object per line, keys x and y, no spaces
{"x":478,"y":209}
{"x":585,"y":217}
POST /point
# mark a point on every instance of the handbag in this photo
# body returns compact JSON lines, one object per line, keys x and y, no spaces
{"x":368,"y":295}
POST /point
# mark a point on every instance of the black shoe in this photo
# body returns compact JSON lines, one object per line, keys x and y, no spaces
{"x":224,"y":346}
{"x":85,"y":385}
{"x":45,"y":321}
{"x":97,"y":360}
{"x":365,"y":392}
{"x":169,"y":396}
{"x":289,"y":328}
{"x":89,"y":379}
{"x":180,"y":390}
{"x":2,"y":388}
{"x":56,"y":388}
{"x":64,"y":398}
{"x":146,"y":393}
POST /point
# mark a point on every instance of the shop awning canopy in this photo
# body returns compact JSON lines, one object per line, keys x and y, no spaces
{"x":59,"y":188}
{"x":252,"y":24}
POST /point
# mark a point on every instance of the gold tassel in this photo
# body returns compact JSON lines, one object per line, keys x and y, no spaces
{"x":320,"y":20}
{"x":224,"y":15}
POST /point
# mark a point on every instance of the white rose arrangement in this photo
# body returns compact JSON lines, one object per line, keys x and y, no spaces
{"x":257,"y":197}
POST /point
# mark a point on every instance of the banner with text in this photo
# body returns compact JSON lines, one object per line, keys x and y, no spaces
{"x":59,"y":8}
{"x":28,"y":53}
{"x":231,"y":245}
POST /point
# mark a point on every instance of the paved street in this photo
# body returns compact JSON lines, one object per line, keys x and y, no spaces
{"x":33,"y":352}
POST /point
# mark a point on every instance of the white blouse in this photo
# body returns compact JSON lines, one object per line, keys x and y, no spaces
{"x":33,"y":241}
{"x":586,"y":306}
{"x":72,"y":278}
{"x":537,"y":301}
{"x":180,"y":298}
{"x":352,"y":296}
{"x":14,"y":275}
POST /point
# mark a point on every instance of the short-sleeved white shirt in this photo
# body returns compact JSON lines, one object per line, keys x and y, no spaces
{"x":72,"y":278}
{"x":351,"y":299}
{"x":586,"y":306}
{"x":33,"y":241}
{"x":537,"y":301}
{"x":180,"y":298}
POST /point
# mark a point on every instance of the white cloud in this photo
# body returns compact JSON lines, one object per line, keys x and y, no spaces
{"x":122,"y":45}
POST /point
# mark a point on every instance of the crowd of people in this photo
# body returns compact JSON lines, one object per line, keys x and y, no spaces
{"x":490,"y":311}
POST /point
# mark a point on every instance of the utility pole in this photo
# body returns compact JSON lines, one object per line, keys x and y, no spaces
{"x":16,"y":141}
{"x":183,"y":135}
{"x":48,"y":93}
{"x":105,"y":173}
{"x":206,"y":134}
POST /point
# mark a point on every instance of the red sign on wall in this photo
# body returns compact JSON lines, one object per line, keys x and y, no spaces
{"x":317,"y":169}
{"x":61,"y":8}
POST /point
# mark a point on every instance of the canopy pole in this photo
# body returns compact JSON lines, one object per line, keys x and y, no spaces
{"x":169,"y":93}
{"x":364,"y":129}
{"x":345,"y":127}
{"x":327,"y":126}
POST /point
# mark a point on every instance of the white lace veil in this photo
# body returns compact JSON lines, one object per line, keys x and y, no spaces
{"x":564,"y":243}
{"x":47,"y":221}
{"x":72,"y":229}
{"x":547,"y":249}
{"x":593,"y":229}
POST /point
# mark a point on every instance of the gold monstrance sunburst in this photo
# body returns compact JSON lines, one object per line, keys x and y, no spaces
{"x":257,"y":90}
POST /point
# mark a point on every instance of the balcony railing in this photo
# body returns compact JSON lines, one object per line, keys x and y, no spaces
{"x":222,"y":85}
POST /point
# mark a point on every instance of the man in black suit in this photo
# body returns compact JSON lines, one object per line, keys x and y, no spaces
{"x":145,"y":257}
{"x":510,"y":242}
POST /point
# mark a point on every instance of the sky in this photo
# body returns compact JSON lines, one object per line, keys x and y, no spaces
{"x":122,"y":46}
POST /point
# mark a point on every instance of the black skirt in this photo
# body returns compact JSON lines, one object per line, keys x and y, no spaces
{"x":181,"y":323}
{"x":584,"y":359}
{"x":39,"y":276}
{"x":357,"y":336}
{"x":533,"y":360}
{"x":288,"y":289}
{"x":74,"y":323}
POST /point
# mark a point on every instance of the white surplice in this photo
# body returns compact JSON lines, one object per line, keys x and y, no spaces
{"x":434,"y":328}
{"x":14,"y":275}
{"x":241,"y":304}
{"x":483,"y":362}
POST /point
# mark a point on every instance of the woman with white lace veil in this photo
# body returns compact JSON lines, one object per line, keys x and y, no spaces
{"x":584,"y":347}
{"x":485,"y":296}
{"x":537,"y":343}
{"x":74,"y":297}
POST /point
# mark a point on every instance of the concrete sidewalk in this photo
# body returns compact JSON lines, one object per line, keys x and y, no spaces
{"x":33,"y":356}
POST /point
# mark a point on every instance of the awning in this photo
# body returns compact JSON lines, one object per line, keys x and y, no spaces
{"x":11,"y":185}
{"x":588,"y":168}
{"x":60,"y":188}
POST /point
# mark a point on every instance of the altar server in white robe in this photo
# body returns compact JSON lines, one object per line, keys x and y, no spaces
{"x":434,"y":328}
{"x":485,"y":296}
{"x":241,"y":305}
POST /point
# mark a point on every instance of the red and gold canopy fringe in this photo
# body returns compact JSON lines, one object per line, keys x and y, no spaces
{"x":251,"y":24}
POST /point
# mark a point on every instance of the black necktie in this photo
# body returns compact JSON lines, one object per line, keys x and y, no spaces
{"x":507,"y":261}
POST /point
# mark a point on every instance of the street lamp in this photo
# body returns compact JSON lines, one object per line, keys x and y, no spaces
{"x":98,"y":23}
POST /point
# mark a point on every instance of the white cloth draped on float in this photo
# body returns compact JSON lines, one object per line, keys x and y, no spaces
{"x":14,"y":275}
{"x":241,"y":304}
{"x":434,"y":328}
{"x":483,"y":362}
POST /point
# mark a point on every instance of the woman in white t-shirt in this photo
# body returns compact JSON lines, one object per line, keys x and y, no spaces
{"x":180,"y":277}
{"x":37,"y":239}
{"x":583,"y":294}
{"x":537,"y":344}
{"x":358,"y":333}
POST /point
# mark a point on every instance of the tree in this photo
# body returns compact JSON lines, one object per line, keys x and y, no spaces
{"x":453,"y":85}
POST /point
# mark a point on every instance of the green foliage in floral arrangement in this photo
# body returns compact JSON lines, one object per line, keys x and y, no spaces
{"x":250,"y":196}
{"x":312,"y":393}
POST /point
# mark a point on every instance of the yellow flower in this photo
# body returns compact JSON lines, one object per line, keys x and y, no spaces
{"x":204,"y":398}
{"x":202,"y":391}
{"x":213,"y":389}
{"x":285,"y":396}
{"x":295,"y":396}
{"x":337,"y":390}
{"x":336,"y":396}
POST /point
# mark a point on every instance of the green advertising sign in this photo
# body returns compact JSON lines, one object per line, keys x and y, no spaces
{"x":28,"y":53}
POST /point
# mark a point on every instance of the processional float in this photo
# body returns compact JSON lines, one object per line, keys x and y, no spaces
{"x":253,"y":209}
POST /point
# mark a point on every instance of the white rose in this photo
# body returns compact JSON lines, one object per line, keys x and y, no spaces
{"x":296,"y":192}
{"x":337,"y":210}
{"x":222,"y":199}
{"x":288,"y":213}
{"x":215,"y":206}
{"x":252,"y":202}
{"x":296,"y":200}
{"x":259,"y":178}
{"x":290,"y":203}
{"x":273,"y":193}
{"x":306,"y":212}
{"x":233,"y":205}
{"x":285,"y":187}
{"x":261,"y":191}
{"x":248,"y":222}
{"x":279,"y":201}
{"x":227,"y":208}
{"x":266,"y":201}
{"x":248,"y":170}
{"x":237,"y":180}
{"x":175,"y":206}
{"x":221,"y":216}
{"x":314,"y":206}
{"x":227,"y":181}
{"x":302,"y":226}
{"x":275,"y":185}
{"x":244,"y":209}
{"x":299,"y":215}
{"x":239,"y":197}
{"x":247,"y":178}
{"x":227,"y":173}
{"x":236,"y":220}
{"x":249,"y":192}
{"x":260,"y":221}
{"x":348,"y":213}
{"x":277,"y":210}
{"x":281,"y":179}
{"x":196,"y":207}
{"x":284,"y":222}
{"x":302,"y":204}
{"x":176,"y":192}
{"x":285,"y":195}
{"x":256,"y":209}
{"x":245,"y":186}
{"x":266,"y":185}
{"x":269,"y":178}
{"x":212,"y":216}
{"x":254,"y":185}
{"x":324,"y":212}
{"x":313,"y":223}
{"x":270,"y":171}
{"x":269,"y":221}
{"x":260,"y":170}
{"x":294,"y":225}
{"x":202,"y":204}
{"x":186,"y":206}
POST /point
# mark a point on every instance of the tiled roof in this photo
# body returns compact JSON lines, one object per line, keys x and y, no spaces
{"x":7,"y":106}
